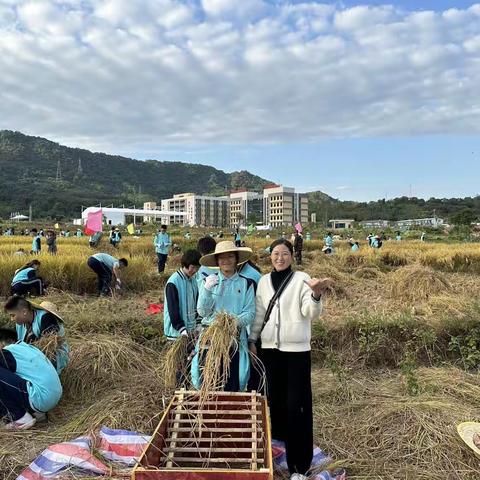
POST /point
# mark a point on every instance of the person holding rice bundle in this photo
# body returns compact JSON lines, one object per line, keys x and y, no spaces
{"x":29,"y":385}
{"x":286,"y":304}
{"x":26,"y":281}
{"x":32,"y":322}
{"x":227,"y":292}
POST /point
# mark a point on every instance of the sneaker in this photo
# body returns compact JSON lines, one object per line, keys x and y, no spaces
{"x":24,"y":423}
{"x":40,"y":416}
{"x":298,"y":476}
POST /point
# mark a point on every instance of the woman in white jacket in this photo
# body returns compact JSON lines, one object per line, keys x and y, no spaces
{"x":285,"y":337}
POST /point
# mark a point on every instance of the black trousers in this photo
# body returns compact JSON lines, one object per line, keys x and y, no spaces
{"x":298,"y":257}
{"x":290,"y":399}
{"x":28,"y":287}
{"x":161,"y":261}
{"x":14,"y":401}
{"x":104,"y":275}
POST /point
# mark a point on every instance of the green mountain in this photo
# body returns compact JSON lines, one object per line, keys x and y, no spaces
{"x":57,"y":180}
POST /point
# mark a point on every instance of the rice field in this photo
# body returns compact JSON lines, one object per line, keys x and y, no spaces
{"x":396,"y":353}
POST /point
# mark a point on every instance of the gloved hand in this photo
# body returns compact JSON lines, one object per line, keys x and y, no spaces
{"x":118,"y":285}
{"x":184,"y":333}
{"x":210,"y":282}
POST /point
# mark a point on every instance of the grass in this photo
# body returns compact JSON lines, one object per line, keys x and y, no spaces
{"x":395,"y":355}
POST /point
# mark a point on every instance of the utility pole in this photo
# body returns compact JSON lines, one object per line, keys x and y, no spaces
{"x":79,"y":168}
{"x":30,"y":213}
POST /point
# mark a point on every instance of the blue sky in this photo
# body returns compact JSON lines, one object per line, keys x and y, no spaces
{"x":360,"y":99}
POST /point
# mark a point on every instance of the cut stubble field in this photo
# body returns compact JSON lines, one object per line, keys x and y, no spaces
{"x":395,"y":353}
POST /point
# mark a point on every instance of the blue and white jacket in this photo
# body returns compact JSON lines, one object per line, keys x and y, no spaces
{"x":236,"y":296}
{"x":180,"y":309}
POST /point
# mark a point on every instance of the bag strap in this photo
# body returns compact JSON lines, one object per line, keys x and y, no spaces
{"x":275,"y":297}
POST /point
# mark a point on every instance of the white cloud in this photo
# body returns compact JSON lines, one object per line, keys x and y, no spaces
{"x":128,"y":72}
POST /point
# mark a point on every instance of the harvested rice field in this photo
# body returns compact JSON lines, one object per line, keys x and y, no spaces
{"x":396,"y":354}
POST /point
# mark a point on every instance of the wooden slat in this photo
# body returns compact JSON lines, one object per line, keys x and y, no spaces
{"x":215,"y":403}
{"x":196,"y":421}
{"x":208,"y":460}
{"x":218,"y":412}
{"x":214,"y":429}
{"x":194,"y":393}
{"x":174,"y":434}
{"x":212,"y":440}
{"x":254,"y":437}
{"x":212,"y":449}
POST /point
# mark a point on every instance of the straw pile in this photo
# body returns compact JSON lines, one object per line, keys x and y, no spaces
{"x":416,"y":282}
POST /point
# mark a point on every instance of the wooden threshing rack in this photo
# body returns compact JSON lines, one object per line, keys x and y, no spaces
{"x":223,"y":437}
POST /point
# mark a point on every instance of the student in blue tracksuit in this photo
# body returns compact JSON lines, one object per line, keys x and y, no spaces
{"x":34,"y":321}
{"x":237,"y":238}
{"x":106,"y":267}
{"x":205,"y":246}
{"x":162,"y":242}
{"x":115,"y":237}
{"x":227,"y":291}
{"x":398,"y":237}
{"x":36,"y":242}
{"x":26,"y":280}
{"x":29,"y":385}
{"x":181,"y":295}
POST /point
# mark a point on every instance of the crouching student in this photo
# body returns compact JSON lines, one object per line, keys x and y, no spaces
{"x":227,"y":291}
{"x":26,"y":280}
{"x":29,"y":385}
{"x":33,"y":321}
{"x":106,"y":267}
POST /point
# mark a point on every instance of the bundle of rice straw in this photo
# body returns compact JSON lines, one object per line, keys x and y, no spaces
{"x":49,"y":344}
{"x":218,"y":343}
{"x":176,"y":362}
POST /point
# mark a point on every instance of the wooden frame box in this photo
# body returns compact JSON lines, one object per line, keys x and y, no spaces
{"x":226,"y":436}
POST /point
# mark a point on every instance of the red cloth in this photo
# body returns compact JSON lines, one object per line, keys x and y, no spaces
{"x":154,"y":308}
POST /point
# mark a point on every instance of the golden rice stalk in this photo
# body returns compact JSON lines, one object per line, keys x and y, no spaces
{"x":175,"y":361}
{"x":218,"y":344}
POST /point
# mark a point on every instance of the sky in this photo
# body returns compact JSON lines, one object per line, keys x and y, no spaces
{"x":359,"y":99}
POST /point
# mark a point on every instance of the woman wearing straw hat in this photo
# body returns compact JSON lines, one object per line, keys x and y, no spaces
{"x":286,"y":304}
{"x":227,"y":291}
{"x":36,"y":320}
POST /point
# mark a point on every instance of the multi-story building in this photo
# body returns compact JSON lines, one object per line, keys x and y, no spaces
{"x":283,"y":207}
{"x":245,"y":208}
{"x":201,"y":210}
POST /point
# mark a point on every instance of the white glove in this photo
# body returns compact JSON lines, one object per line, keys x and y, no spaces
{"x":184,"y":333}
{"x":210,"y":282}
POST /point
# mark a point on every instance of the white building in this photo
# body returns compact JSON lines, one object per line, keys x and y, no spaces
{"x":245,"y":208}
{"x":283,"y":207}
{"x":341,"y":223}
{"x":432,"y":222}
{"x":124,"y":216}
{"x":197,"y":210}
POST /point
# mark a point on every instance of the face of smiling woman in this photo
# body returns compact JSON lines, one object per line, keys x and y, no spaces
{"x":281,"y":258}
{"x":227,"y":262}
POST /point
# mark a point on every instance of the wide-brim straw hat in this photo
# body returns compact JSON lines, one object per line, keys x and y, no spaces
{"x":467,"y":432}
{"x":49,"y":307}
{"x":244,"y":253}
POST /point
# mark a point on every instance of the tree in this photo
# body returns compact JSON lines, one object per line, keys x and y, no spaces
{"x":463,"y":217}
